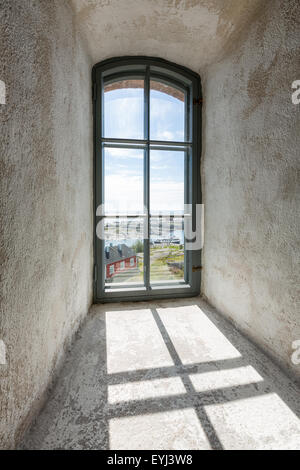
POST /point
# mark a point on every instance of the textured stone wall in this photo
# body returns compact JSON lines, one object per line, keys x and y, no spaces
{"x":46,"y":199}
{"x":251,"y":177}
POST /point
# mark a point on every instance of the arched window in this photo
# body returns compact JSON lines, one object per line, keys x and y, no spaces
{"x":147,"y":142}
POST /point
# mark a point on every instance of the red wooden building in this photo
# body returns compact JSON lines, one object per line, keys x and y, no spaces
{"x":119,"y":258}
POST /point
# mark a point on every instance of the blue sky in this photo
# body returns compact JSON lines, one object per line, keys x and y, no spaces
{"x":124,"y":167}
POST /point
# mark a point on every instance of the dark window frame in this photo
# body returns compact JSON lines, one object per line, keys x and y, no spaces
{"x":173,"y":74}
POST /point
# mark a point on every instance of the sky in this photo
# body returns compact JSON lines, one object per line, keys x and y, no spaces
{"x":124,"y":115}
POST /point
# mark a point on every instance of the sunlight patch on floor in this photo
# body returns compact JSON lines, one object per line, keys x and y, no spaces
{"x":263,"y":422}
{"x":194,"y":336}
{"x":145,"y":389}
{"x":134,"y":342}
{"x":225,"y":378}
{"x":177,"y":430}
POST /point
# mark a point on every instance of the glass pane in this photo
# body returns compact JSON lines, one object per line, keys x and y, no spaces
{"x":167,"y":182}
{"x":124,"y":250}
{"x":124,"y":109}
{"x":166,"y":249}
{"x":123,"y":181}
{"x":167,"y":112}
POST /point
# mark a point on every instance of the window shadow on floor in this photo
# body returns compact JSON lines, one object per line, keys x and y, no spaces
{"x":169,"y":375}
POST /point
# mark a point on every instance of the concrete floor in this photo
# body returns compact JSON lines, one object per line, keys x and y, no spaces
{"x":166,"y":375}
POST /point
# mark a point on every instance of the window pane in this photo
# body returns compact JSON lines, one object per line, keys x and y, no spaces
{"x":124,"y":109}
{"x":167,"y":112}
{"x":124,"y":250}
{"x":123,"y":181}
{"x":166,"y":249}
{"x":167,"y":182}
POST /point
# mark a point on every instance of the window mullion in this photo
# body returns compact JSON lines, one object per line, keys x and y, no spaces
{"x":99,"y":130}
{"x":147,"y":179}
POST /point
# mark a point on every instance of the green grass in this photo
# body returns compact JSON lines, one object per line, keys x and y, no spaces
{"x":160,"y":271}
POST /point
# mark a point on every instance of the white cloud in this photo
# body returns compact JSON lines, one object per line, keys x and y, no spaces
{"x":124,"y":193}
{"x":124,"y":153}
{"x":167,"y":196}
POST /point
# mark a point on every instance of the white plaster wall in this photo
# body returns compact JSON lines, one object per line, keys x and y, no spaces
{"x":193,"y":33}
{"x":251,"y":176}
{"x":46,"y":199}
